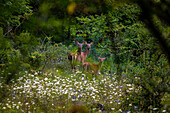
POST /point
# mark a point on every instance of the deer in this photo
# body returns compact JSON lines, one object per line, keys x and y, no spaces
{"x":80,"y":57}
{"x":75,"y":59}
{"x":86,"y":52}
{"x":93,"y":68}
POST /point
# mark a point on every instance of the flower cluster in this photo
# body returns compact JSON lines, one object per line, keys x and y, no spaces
{"x":55,"y":92}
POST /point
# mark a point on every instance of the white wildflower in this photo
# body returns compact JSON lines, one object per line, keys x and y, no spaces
{"x":27,"y":86}
{"x":114,"y":89}
{"x":128,"y":112}
{"x":163,"y":111}
{"x":129,"y":85}
{"x":73,"y":99}
{"x":38,"y":89}
{"x":45,"y":79}
{"x":94,"y":97}
{"x":54,"y":80}
{"x":57,"y":83}
{"x":112,"y":108}
{"x":17,"y":107}
{"x":100,"y":111}
{"x":120,"y":110}
{"x":155,"y":108}
{"x":65,"y":92}
{"x":35,"y":82}
{"x":130,"y":88}
{"x":33,"y":86}
{"x":20,"y":78}
{"x":49,"y":94}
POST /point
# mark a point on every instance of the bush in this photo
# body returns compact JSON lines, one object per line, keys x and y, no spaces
{"x":50,"y":57}
{"x":150,"y":87}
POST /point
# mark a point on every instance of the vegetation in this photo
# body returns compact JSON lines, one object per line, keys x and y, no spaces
{"x":36,"y":37}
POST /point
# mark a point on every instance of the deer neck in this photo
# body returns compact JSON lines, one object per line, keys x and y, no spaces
{"x":99,"y":65}
{"x":87,"y":52}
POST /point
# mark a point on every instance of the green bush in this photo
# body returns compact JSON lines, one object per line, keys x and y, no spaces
{"x":150,"y":86}
{"x":50,"y":57}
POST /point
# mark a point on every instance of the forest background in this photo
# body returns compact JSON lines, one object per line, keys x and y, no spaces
{"x":35,"y":37}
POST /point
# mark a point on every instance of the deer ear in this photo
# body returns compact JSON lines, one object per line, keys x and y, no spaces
{"x":98,"y":57}
{"x":104,"y":57}
{"x":91,"y":43}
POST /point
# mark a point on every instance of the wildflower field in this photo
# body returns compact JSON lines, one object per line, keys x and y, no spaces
{"x":53,"y":92}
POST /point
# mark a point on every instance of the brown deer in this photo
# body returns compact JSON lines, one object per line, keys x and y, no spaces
{"x":75,"y":59}
{"x":93,"y":68}
{"x":86,"y":52}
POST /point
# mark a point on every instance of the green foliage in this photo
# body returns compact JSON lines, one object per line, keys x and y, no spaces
{"x":33,"y":34}
{"x":91,"y":28}
{"x":9,"y":59}
{"x":49,"y":56}
{"x":14,"y":49}
{"x":14,"y":58}
{"x":35,"y":59}
{"x":25,"y":43}
{"x":57,"y":57}
{"x":11,"y":12}
{"x":150,"y":79}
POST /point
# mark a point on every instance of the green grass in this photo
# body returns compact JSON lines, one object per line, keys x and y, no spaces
{"x":57,"y":91}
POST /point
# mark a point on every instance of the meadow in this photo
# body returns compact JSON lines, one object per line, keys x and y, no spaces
{"x":57,"y":92}
{"x":55,"y":88}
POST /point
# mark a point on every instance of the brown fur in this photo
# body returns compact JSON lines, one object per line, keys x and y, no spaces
{"x":76,"y":57}
{"x":86,"y":52}
{"x":93,"y":68}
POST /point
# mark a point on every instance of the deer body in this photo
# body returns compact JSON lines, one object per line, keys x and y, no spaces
{"x":94,"y":68}
{"x":86,"y":52}
{"x":75,"y":59}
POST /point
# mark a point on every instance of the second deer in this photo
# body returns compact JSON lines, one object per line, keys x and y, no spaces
{"x":94,"y":68}
{"x":86,"y":52}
